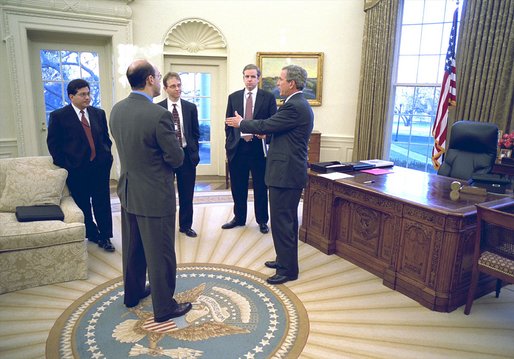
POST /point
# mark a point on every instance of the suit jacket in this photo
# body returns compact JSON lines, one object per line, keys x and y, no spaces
{"x":265,"y":106}
{"x":191,"y":128}
{"x":149,"y":150}
{"x":291,"y":127}
{"x":67,"y":142}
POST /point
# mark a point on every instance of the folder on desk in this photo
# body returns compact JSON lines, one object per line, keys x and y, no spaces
{"x":331,"y":166}
{"x":336,"y":166}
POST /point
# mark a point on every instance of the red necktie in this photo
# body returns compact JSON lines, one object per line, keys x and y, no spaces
{"x":176,"y":120}
{"x":89,"y":135}
{"x":248,"y":114}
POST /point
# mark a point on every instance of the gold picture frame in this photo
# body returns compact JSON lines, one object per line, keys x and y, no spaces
{"x":271,"y":64}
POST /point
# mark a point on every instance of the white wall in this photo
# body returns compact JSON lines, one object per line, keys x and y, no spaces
{"x":333,"y":27}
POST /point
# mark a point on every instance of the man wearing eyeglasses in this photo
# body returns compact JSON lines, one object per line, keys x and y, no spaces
{"x":78,"y":140}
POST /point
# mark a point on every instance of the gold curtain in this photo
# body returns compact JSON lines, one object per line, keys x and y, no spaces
{"x":375,"y":78}
{"x":485,"y":61}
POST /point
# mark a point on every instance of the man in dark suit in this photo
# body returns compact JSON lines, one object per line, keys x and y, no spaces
{"x":78,"y":140}
{"x":186,"y":116}
{"x":149,"y":152}
{"x":286,"y":170}
{"x":245,"y":152}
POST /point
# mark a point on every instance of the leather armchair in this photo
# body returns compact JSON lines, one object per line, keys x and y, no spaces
{"x":472,"y":149}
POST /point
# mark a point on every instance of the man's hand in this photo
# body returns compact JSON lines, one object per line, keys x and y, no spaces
{"x":261,"y":137}
{"x":234,"y":121}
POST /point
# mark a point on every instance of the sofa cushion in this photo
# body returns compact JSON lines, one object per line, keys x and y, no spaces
{"x":15,"y":235}
{"x":27,"y":185}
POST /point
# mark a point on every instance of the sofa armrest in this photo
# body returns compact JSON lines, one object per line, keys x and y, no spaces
{"x":72,"y":212}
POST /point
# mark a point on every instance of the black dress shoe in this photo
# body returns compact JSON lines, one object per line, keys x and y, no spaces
{"x":180,"y":310}
{"x":263,"y":227}
{"x":106,"y":244}
{"x":233,"y":223}
{"x":145,"y":294}
{"x":279,"y":279}
{"x":188,"y":232}
{"x":271,"y":264}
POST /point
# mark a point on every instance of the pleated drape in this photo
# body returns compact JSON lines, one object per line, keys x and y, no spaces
{"x":485,"y":61}
{"x":380,"y":31}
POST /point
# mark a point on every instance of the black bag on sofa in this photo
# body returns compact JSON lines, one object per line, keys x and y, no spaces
{"x":47,"y":212}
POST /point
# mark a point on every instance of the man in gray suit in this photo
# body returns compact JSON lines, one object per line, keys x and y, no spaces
{"x":286,"y":167}
{"x":149,"y":151}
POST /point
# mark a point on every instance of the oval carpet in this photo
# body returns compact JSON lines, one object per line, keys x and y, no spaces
{"x":236,"y":314}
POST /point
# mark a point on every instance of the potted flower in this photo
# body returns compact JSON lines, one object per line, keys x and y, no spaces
{"x":506,"y":144}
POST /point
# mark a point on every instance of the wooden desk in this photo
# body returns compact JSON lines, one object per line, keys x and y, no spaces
{"x":403,"y":227}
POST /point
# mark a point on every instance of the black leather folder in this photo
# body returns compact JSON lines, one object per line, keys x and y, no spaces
{"x":332,"y":166}
{"x":50,"y":212}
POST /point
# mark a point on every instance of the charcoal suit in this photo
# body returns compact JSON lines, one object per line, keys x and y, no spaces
{"x":286,"y":174}
{"x":149,"y":152}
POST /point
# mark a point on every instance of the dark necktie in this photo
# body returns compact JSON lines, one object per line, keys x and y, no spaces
{"x":176,"y":120}
{"x":89,"y":135}
{"x":248,"y":114}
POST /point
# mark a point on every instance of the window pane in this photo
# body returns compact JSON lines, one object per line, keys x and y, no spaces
{"x":70,"y":65}
{"x":430,"y":66}
{"x":90,"y":67}
{"x":435,"y":11}
{"x":204,"y":109}
{"x":50,"y":65}
{"x":205,"y":130}
{"x":407,"y":69}
{"x":205,"y":153}
{"x":410,"y":40}
{"x":204,"y":85}
{"x":413,"y":11}
{"x":431,"y":39}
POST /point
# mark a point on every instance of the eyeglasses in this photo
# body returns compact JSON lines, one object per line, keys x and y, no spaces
{"x":84,"y":94}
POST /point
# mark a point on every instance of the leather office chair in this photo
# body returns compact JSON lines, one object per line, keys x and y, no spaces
{"x":494,"y":249}
{"x":472,"y":149}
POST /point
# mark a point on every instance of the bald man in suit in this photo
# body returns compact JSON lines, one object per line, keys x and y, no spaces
{"x":286,"y":168}
{"x":149,"y":152}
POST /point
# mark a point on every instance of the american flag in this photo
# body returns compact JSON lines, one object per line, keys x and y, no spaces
{"x":447,"y":98}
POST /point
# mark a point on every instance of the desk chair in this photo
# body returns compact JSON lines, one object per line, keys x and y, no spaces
{"x":472,"y":150}
{"x":494,"y":249}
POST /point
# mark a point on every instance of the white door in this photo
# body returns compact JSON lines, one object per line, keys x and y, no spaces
{"x":50,"y":85}
{"x":203,"y":83}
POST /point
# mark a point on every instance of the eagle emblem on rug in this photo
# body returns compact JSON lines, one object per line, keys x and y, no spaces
{"x":216,"y":312}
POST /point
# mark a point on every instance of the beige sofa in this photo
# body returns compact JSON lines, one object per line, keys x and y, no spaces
{"x":41,"y":252}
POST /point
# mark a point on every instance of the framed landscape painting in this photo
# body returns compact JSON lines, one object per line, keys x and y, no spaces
{"x":271,"y":64}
